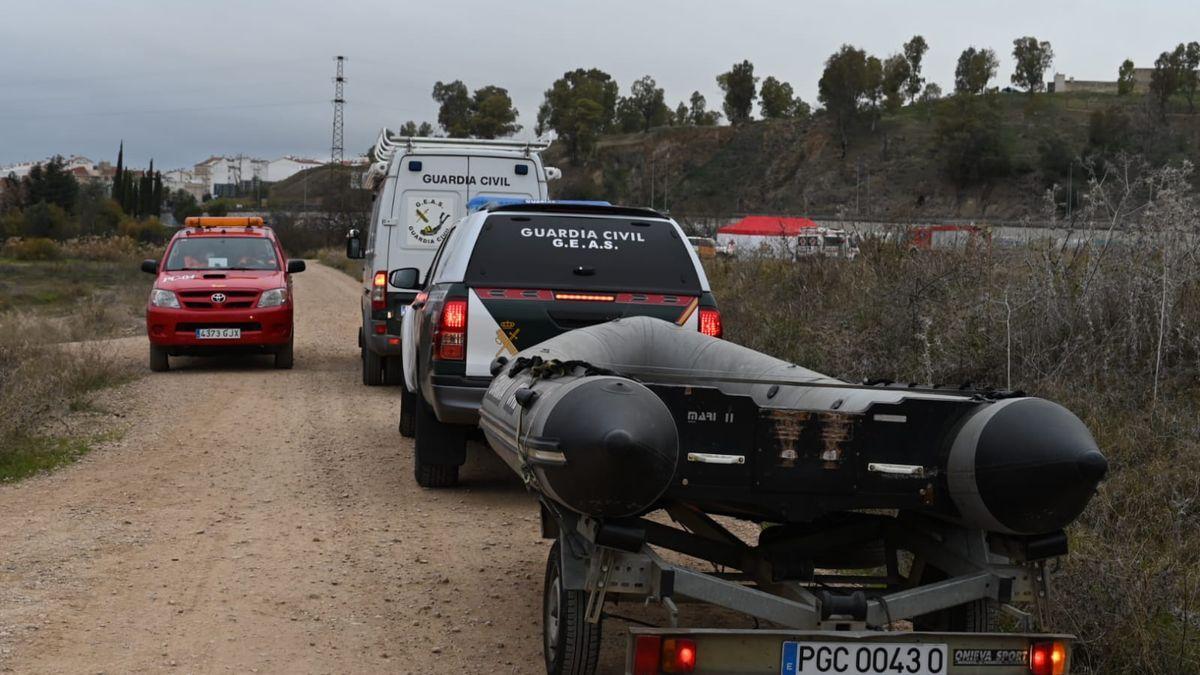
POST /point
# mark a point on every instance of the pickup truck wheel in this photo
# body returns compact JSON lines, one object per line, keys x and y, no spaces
{"x":285,"y":357}
{"x":372,"y":368}
{"x":431,"y":438}
{"x":159,"y":361}
{"x":571,"y":644}
{"x":408,"y":416}
{"x":393,"y":371}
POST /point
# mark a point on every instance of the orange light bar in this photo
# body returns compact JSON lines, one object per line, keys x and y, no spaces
{"x":224,"y":221}
{"x":585,"y":297}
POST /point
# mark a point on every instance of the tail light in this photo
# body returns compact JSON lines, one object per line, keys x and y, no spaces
{"x":1047,"y":658}
{"x":710,"y":322}
{"x":653,"y":654}
{"x":379,"y":291}
{"x":450,"y":338}
{"x":585,"y":297}
{"x":678,"y":656}
{"x":647,"y":654}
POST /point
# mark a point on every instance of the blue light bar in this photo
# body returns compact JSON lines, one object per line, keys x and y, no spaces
{"x":483,"y":202}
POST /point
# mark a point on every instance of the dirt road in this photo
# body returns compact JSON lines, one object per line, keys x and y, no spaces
{"x":253,"y":520}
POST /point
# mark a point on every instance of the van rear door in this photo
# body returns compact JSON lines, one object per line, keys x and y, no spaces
{"x":430,"y":196}
{"x":512,"y":177}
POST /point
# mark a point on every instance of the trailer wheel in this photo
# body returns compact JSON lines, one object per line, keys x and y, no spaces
{"x":408,"y":415}
{"x":159,"y":361}
{"x":977,"y":616}
{"x":571,"y":644}
{"x":372,"y":368}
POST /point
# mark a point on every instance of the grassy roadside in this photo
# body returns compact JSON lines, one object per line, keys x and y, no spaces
{"x":88,"y":291}
{"x":336,"y":258}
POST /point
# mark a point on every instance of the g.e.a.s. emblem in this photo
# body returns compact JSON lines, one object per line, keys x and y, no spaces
{"x":429,"y":217}
{"x":506,"y":337}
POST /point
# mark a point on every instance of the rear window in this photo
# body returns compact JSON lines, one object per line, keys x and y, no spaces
{"x":571,"y":252}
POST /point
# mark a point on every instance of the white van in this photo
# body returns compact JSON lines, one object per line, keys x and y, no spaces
{"x":421,"y":187}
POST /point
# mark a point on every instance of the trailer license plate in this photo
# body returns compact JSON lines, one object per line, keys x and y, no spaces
{"x":848,"y":658}
{"x":218,"y":333}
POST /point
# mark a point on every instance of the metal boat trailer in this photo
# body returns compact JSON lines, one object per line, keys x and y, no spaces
{"x":937,"y":575}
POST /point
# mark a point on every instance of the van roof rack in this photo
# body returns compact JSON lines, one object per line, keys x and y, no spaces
{"x":389,"y":141}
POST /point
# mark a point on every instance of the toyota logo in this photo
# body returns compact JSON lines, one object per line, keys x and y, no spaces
{"x":218,"y":298}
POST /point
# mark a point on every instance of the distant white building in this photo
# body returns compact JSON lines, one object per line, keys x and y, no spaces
{"x":82,"y":168}
{"x":287,"y":166}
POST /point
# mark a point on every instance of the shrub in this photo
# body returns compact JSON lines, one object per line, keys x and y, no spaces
{"x":32,"y":249}
{"x":148,"y":231}
{"x":48,"y":220}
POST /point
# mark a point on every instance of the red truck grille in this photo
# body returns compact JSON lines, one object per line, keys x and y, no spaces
{"x":203,"y":299}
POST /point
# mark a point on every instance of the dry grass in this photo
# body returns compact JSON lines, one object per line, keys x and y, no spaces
{"x":95,"y":291}
{"x":336,"y":258}
{"x":1111,"y":332}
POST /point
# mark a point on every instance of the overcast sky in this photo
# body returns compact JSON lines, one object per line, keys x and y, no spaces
{"x":179,"y":80}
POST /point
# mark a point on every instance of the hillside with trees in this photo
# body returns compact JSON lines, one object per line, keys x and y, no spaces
{"x":885,"y":142}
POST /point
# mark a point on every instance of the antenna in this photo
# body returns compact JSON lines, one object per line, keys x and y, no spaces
{"x":337,"y":150}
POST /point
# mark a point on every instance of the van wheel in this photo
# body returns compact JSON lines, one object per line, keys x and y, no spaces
{"x":571,"y":644}
{"x":433,"y":439}
{"x":285,"y":357}
{"x":372,"y":368}
{"x":393,"y":371}
{"x":408,"y":416}
{"x":159,"y":362}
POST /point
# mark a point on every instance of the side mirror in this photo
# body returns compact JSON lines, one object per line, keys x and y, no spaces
{"x":150,"y":266}
{"x":354,"y":249}
{"x":295,"y":266}
{"x":405,"y":277}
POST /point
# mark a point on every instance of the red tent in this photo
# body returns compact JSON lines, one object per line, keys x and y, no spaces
{"x":778,"y":226}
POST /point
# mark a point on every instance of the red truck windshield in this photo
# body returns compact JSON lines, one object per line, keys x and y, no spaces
{"x":223,"y":253}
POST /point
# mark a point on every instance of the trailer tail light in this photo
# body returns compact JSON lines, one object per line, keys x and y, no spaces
{"x":1047,"y":658}
{"x":710,"y":322}
{"x":450,"y":338}
{"x":647,"y":654}
{"x":678,"y":656}
{"x":379,"y":291}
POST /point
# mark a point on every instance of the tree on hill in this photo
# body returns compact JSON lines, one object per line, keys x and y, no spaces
{"x":842,"y":88}
{"x":629,"y":119}
{"x":646,"y":100}
{"x":1033,"y":59}
{"x":454,"y":108}
{"x":933,"y":92}
{"x":896,"y":74}
{"x":699,"y":115}
{"x":579,"y":106}
{"x":914,"y":52}
{"x":1125,"y":78}
{"x":411,"y":128}
{"x":874,"y":85}
{"x":739,"y":85}
{"x":776,"y":99}
{"x":976,"y":67}
{"x":680,"y":117}
{"x":492,"y":114}
{"x":1167,"y":78}
{"x":1189,"y":76}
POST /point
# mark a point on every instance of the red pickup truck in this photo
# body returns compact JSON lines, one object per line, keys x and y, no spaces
{"x":223,"y":285}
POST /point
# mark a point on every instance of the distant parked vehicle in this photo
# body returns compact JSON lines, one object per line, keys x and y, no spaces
{"x":705,"y":247}
{"x":941,"y":237}
{"x":421,"y":187}
{"x":223,"y":285}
